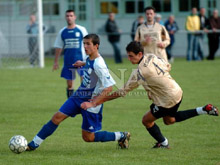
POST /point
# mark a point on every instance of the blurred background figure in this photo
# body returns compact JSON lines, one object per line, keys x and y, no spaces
{"x":172,"y":28}
{"x":203,"y":26}
{"x":135,"y":24}
{"x":114,"y":36}
{"x":158,"y":18}
{"x":32,"y":29}
{"x":153,"y":36}
{"x":192,"y":25}
{"x":214,"y":25}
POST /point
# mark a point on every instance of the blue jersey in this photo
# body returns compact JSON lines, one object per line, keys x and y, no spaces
{"x":96,"y":77}
{"x":71,"y":40}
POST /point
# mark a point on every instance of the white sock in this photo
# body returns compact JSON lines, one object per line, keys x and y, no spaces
{"x":200,"y":110}
{"x":117,"y":136}
{"x":165,"y":142}
{"x":37,"y":140}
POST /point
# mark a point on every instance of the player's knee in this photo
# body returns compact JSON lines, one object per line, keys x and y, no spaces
{"x":146,"y":123}
{"x":143,"y":121}
{"x":87,"y":138}
{"x":69,"y":84}
{"x":168,"y":122}
{"x":57,"y":118}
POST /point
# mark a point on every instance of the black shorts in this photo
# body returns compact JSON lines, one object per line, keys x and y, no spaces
{"x":159,"y":112}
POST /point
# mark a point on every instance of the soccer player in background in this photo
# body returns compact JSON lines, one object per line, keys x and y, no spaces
{"x":70,"y":39}
{"x":153,"y":74}
{"x":152,"y":35}
{"x":97,"y":82}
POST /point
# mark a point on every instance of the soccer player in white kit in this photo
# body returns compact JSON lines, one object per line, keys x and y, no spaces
{"x":97,"y":82}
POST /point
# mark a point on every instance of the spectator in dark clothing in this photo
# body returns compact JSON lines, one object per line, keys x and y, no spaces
{"x":214,"y":25}
{"x":172,"y":28}
{"x":203,"y":26}
{"x":114,"y":36}
{"x":135,"y":25}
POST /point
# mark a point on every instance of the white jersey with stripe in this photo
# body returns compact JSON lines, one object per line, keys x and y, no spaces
{"x":96,"y":77}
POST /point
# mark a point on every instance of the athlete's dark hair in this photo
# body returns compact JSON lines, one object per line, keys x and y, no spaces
{"x":70,"y":10}
{"x":94,"y":37}
{"x":149,"y":8}
{"x":134,"y":47}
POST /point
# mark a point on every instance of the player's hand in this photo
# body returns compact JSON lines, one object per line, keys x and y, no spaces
{"x":87,"y":105}
{"x":171,"y":32}
{"x":55,"y":66}
{"x":206,"y":30}
{"x":79,"y":64}
{"x":148,"y":39}
{"x":160,"y":45}
{"x":214,"y":29}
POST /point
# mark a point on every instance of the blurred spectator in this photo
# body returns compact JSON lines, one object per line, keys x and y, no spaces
{"x":203,"y":26}
{"x":214,"y":24}
{"x":192,"y":25}
{"x":158,"y":18}
{"x":32,"y":29}
{"x":153,"y":37}
{"x":136,"y":23}
{"x":114,"y":36}
{"x":172,"y":28}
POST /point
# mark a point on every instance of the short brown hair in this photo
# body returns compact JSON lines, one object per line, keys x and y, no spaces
{"x":149,"y":8}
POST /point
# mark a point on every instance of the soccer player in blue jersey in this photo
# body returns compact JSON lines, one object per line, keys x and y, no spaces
{"x":97,"y":82}
{"x":70,"y":40}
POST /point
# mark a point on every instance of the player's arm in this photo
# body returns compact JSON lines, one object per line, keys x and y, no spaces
{"x":138,"y":37}
{"x":58,"y":52}
{"x":98,"y":100}
{"x":129,"y":86}
{"x":58,"y":45}
{"x":79,"y":64}
{"x":165,"y":39}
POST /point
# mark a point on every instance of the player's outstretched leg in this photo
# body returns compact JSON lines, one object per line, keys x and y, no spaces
{"x":46,"y":131}
{"x":207,"y":109}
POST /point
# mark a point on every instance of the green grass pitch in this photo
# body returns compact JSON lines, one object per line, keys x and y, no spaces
{"x":29,"y":98}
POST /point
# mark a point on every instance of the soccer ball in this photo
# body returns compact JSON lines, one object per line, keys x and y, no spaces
{"x":18,"y":144}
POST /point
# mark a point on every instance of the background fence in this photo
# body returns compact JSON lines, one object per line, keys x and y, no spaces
{"x":15,"y":46}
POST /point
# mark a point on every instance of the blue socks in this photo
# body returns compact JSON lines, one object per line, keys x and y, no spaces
{"x":104,"y":136}
{"x":50,"y":127}
{"x":47,"y":130}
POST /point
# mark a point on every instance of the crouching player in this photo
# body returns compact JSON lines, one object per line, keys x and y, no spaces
{"x":97,"y":82}
{"x":153,"y":74}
